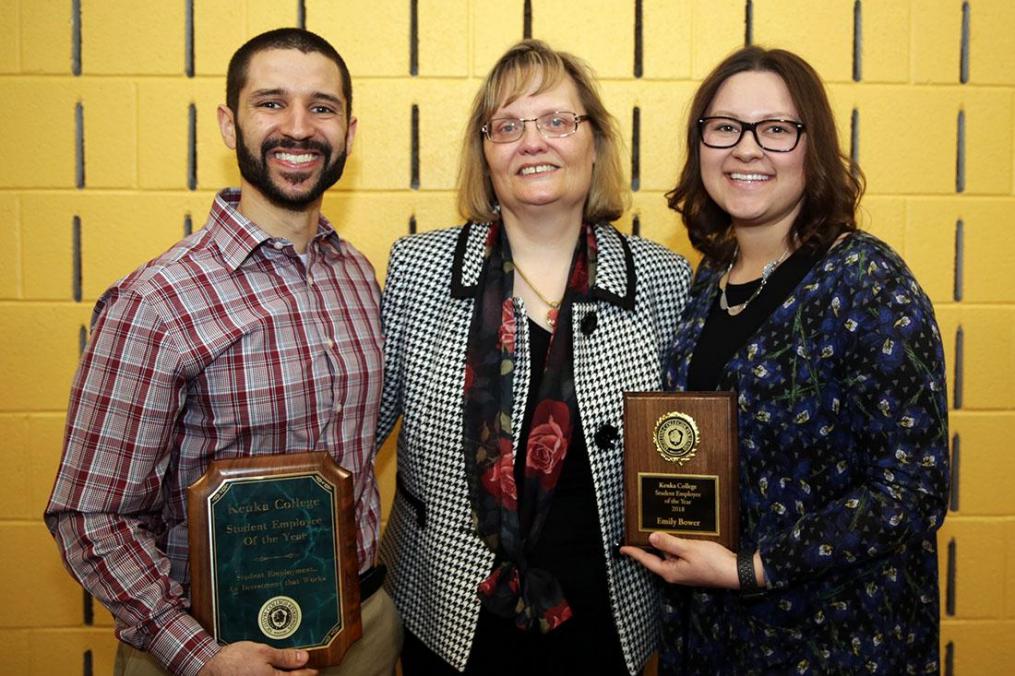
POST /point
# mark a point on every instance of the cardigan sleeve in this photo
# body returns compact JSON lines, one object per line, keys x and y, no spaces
{"x":891,"y":426}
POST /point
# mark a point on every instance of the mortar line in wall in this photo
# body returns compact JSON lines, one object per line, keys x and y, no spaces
{"x":964,"y":45}
{"x":639,"y":39}
{"x":748,"y":23}
{"x":76,"y":258}
{"x":79,"y":144}
{"x":75,"y":57}
{"x":957,"y":367}
{"x":857,"y":40}
{"x":950,"y":577}
{"x":192,"y":147}
{"x":636,"y":149}
{"x":960,"y":262}
{"x":188,"y":39}
{"x":953,"y":484}
{"x":88,"y":608}
{"x":414,"y":38}
{"x":960,"y":152}
{"x":414,"y":149}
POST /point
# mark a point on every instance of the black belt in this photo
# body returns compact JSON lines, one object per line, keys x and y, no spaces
{"x":370,"y":581}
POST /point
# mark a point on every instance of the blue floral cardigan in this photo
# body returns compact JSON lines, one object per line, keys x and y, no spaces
{"x":844,"y":477}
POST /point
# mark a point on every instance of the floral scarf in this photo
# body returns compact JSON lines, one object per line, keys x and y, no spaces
{"x":532,"y":596}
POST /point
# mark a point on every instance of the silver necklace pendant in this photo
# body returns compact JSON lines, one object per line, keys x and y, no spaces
{"x":766,"y":272}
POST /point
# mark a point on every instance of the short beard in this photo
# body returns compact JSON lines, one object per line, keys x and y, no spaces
{"x":255,"y":171}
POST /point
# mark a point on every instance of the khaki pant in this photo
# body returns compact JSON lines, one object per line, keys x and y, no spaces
{"x":373,"y":655}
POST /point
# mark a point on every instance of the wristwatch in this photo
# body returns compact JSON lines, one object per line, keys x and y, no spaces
{"x":745,"y":571}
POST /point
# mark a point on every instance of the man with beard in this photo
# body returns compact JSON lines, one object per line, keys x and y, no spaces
{"x":259,"y":334}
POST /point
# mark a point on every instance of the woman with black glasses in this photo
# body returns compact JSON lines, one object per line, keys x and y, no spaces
{"x":508,"y":344}
{"x":834,"y":354}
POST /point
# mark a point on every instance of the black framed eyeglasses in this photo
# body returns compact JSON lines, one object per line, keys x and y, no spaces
{"x":557,"y":124}
{"x":778,"y":136}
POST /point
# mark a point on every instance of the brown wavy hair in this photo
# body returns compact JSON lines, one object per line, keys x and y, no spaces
{"x":526,"y":63}
{"x":833,"y":184}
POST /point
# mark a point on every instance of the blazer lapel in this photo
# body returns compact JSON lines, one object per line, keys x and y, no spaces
{"x":615,"y":274}
{"x":468,"y":261}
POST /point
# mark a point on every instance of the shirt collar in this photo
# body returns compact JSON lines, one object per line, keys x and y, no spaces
{"x":615,"y":272}
{"x":237,"y":236}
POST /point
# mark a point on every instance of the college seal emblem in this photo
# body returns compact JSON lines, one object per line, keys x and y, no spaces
{"x":279,"y":617}
{"x":676,"y":437}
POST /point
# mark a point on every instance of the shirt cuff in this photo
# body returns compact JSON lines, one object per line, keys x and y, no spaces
{"x":183,"y":646}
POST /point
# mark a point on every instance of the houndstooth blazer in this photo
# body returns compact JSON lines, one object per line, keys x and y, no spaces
{"x":621,"y":339}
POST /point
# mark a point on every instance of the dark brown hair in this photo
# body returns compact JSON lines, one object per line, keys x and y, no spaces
{"x":833,"y":185}
{"x":528,"y":63}
{"x":282,"y":38}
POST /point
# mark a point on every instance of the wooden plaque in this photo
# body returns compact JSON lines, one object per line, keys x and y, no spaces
{"x":273,"y":554}
{"x":681,"y":468}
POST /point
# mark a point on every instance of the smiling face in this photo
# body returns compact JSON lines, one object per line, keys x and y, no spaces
{"x":290,"y":130}
{"x":534,"y":174}
{"x":757,"y":188}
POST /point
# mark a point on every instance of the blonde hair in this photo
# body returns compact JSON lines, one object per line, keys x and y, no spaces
{"x":526,"y":63}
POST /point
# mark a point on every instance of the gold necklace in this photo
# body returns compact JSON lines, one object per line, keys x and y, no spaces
{"x":766,"y":272}
{"x":554,"y":305}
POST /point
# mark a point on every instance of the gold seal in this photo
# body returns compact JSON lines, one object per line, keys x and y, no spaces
{"x":279,"y":617}
{"x":676,"y":437}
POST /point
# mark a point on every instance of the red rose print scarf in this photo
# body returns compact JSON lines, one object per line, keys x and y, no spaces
{"x":509,"y":526}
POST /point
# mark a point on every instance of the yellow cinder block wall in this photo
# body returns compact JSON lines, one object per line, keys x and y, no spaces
{"x":110,"y":152}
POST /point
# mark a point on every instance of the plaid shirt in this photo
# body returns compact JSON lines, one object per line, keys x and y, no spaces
{"x":226,"y":346}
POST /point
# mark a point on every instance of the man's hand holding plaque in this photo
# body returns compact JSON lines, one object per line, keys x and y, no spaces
{"x":681,"y":468}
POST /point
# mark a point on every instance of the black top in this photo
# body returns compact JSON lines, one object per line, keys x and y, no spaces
{"x":570,"y":545}
{"x":571,"y":548}
{"x":723,"y":334}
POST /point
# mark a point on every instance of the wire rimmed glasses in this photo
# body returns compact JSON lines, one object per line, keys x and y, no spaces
{"x":778,"y":136}
{"x":557,"y":124}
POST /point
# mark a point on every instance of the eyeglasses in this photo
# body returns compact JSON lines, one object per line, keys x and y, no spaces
{"x":779,"y":136}
{"x":557,"y":124}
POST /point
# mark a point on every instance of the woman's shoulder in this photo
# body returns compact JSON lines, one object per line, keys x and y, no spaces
{"x":647,"y":252}
{"x":867,"y":281}
{"x":861,"y":246}
{"x":861,"y":260}
{"x":652,"y":249}
{"x":429,"y":242}
{"x":435,"y":250}
{"x":423,"y":259}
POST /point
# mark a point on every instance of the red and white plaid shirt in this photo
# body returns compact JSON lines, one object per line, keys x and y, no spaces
{"x":225,"y":346}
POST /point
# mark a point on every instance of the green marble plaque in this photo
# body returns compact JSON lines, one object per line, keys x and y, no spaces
{"x":273,"y":569}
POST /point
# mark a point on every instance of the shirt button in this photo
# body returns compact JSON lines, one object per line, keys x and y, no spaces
{"x":330,"y":343}
{"x":606,"y":436}
{"x":278,"y":245}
